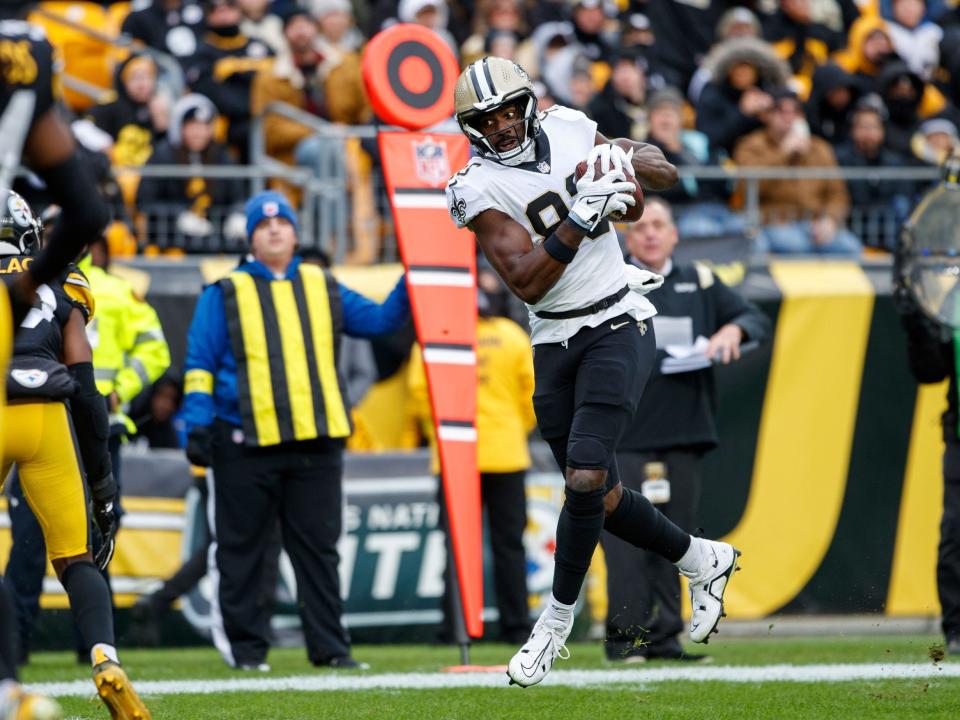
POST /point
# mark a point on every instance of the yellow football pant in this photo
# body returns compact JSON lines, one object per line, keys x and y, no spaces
{"x":39,"y":439}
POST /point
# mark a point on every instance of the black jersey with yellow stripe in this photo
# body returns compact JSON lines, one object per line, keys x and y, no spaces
{"x":27,"y":62}
{"x":36,"y":370}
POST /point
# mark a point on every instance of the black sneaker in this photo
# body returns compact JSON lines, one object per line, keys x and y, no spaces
{"x":342,"y":662}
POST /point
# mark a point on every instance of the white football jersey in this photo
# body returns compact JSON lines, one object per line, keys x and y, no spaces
{"x":538,"y":195}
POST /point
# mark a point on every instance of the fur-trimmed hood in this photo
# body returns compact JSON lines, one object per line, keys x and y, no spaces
{"x":772,"y":69}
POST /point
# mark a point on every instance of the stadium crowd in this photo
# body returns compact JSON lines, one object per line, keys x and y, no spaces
{"x":799,"y":83}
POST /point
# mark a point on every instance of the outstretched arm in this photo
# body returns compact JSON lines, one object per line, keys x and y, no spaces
{"x":650,"y":166}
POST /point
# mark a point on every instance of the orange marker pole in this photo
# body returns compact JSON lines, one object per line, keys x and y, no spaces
{"x":410,"y":73}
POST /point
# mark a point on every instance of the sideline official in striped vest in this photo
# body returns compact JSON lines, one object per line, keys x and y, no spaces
{"x":266,"y":408}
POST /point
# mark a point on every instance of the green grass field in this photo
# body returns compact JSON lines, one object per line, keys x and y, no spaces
{"x":932,"y":697}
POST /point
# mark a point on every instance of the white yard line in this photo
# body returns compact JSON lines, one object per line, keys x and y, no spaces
{"x":558,"y":678}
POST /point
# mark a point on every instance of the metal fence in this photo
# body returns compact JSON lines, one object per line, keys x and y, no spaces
{"x":347,"y":212}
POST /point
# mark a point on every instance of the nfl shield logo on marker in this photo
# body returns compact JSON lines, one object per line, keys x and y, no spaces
{"x":431,"y":162}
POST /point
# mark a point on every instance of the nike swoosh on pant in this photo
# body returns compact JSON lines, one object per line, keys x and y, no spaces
{"x":618,"y":325}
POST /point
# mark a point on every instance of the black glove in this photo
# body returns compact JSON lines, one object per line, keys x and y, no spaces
{"x":200,"y":447}
{"x":104,"y":490}
{"x":105,"y":517}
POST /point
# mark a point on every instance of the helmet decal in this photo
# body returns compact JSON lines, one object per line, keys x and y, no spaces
{"x":19,"y":211}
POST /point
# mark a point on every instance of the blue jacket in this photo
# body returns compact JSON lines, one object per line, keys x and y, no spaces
{"x":208,"y":342}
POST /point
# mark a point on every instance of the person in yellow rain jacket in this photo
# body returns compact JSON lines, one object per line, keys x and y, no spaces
{"x":504,"y":420}
{"x":129,"y":350}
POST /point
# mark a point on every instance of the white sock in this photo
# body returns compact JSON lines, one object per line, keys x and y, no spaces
{"x":101,"y":652}
{"x":560,"y":611}
{"x":689,"y":564}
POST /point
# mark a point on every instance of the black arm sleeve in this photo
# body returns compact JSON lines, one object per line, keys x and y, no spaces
{"x":88,"y":409}
{"x":731,"y":307}
{"x":84,"y":216}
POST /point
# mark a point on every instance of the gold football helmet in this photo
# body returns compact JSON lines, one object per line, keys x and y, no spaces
{"x":490,"y":83}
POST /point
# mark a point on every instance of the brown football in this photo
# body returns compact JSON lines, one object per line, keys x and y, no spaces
{"x":633,"y":213}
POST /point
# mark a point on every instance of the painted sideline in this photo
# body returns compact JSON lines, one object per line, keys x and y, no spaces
{"x":558,"y":678}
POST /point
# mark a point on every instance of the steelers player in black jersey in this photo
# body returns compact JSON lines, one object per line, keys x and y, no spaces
{"x":27,"y":64}
{"x":55,"y":417}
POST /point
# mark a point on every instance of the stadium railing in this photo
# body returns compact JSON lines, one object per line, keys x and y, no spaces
{"x":162,"y":228}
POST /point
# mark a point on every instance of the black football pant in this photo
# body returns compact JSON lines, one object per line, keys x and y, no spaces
{"x":643,"y":588}
{"x":948,"y":552}
{"x":301,"y":484}
{"x":504,"y":498}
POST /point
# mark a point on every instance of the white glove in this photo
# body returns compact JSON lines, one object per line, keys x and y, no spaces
{"x":598,"y":198}
{"x":612,"y":157}
{"x":235,"y":226}
{"x":642,"y":281}
{"x":624,"y":159}
{"x":191,"y":224}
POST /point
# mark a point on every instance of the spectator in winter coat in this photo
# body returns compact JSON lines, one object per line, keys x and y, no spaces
{"x":834,"y":93}
{"x":799,"y":216}
{"x":224,"y":66}
{"x":736,"y":22}
{"x":915,"y":39}
{"x":743,"y":71}
{"x":700,"y":205}
{"x":869,"y":47}
{"x":619,"y":109}
{"x":188,"y":212}
{"x":337,"y":26}
{"x":802,"y":42}
{"x":503,"y":15}
{"x":881,"y":205}
{"x":684,"y":33}
{"x":909,"y":101}
{"x":259,"y":23}
{"x":171,"y":26}
{"x":134,"y":117}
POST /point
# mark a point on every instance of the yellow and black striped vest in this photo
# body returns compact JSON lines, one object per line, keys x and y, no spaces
{"x":285,"y":336}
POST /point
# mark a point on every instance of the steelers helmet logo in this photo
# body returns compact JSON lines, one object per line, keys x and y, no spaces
{"x":19,"y":211}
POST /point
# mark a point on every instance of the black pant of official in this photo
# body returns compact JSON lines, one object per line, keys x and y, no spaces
{"x":948,"y":552}
{"x":643,"y":588}
{"x":194,"y":568}
{"x":504,"y":497}
{"x":301,"y":483}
